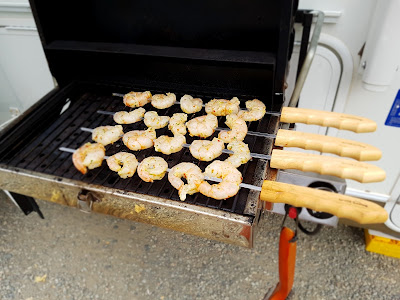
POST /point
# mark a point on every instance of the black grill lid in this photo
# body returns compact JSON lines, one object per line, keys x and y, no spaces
{"x":183,"y":42}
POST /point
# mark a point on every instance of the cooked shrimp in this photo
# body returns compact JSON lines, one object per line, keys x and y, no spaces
{"x":193,"y":175}
{"x":168,"y":145}
{"x":203,"y":126}
{"x":238,"y":129}
{"x":137,"y":99}
{"x":152,"y":168}
{"x":191,"y":105}
{"x":241,"y":153}
{"x":207,"y":150}
{"x":124,"y":163}
{"x":177,"y":123}
{"x":256,"y":110}
{"x":88,"y":156}
{"x":139,"y":139}
{"x":124,"y":117}
{"x":162,"y":101}
{"x":222,"y":107}
{"x":231,"y":179}
{"x":107,"y":134}
{"x":152,"y":119}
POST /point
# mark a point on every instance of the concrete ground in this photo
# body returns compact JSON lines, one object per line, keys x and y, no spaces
{"x":73,"y":255}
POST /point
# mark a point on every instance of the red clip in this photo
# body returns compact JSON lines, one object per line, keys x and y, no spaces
{"x":292,"y":213}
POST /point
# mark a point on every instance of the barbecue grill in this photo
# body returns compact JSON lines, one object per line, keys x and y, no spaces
{"x":206,"y":49}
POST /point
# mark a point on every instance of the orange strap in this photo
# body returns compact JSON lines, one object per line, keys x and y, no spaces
{"x":287,"y":262}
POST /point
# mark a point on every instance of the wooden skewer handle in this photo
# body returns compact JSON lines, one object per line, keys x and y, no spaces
{"x":360,"y":211}
{"x":327,"y":144}
{"x":327,"y":165}
{"x":328,"y":119}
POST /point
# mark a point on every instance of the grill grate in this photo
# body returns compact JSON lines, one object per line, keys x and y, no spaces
{"x":42,"y":154}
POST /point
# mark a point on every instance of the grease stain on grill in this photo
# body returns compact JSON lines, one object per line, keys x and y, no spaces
{"x":42,"y":155}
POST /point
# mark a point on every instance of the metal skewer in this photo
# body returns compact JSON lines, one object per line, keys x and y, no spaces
{"x":255,"y":133}
{"x":255,"y":155}
{"x":243,"y":185}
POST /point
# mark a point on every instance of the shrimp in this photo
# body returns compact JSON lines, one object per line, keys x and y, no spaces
{"x":231,"y":179}
{"x":193,"y":175}
{"x":152,"y":119}
{"x":241,"y":153}
{"x":191,"y":105}
{"x":203,"y":126}
{"x":137,"y":99}
{"x":222,"y":107}
{"x":139,"y":139}
{"x":107,"y":134}
{"x":124,"y":163}
{"x":177,"y":123}
{"x":256,"y":110}
{"x":238,"y":129}
{"x":88,"y":156}
{"x":168,"y":145}
{"x":207,"y":150}
{"x":124,"y":117}
{"x":162,"y":101}
{"x":152,"y":168}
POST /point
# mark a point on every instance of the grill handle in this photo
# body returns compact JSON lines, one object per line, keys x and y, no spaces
{"x":327,"y":119}
{"x":327,"y":144}
{"x":358,"y":210}
{"x":327,"y":165}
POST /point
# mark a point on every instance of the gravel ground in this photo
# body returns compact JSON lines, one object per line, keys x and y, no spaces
{"x":72,"y":255}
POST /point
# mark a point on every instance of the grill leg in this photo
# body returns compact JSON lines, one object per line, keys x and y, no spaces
{"x":25,"y":203}
{"x":287,"y":262}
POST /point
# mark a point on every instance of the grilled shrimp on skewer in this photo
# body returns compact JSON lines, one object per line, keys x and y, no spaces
{"x":193,"y":175}
{"x":191,"y":105}
{"x":124,"y":117}
{"x":241,"y":153}
{"x":238,"y":129}
{"x":256,"y":110}
{"x":207,"y":150}
{"x":152,"y":119}
{"x":231,"y":179}
{"x":107,"y":134}
{"x":162,"y":101}
{"x":88,"y":156}
{"x":177,"y":123}
{"x":222,"y":107}
{"x":124,"y":163}
{"x":137,"y":99}
{"x":152,"y":168}
{"x":203,"y":126}
{"x":168,"y":145}
{"x":139,"y":139}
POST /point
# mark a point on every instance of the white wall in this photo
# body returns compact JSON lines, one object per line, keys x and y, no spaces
{"x":352,"y":28}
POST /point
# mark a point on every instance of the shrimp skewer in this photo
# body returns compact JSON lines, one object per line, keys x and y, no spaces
{"x":136,"y":99}
{"x":152,"y":119}
{"x":228,"y":187}
{"x":152,"y":168}
{"x":193,"y":175}
{"x":223,"y":107}
{"x":238,"y":132}
{"x":168,"y":145}
{"x":124,"y":163}
{"x":191,"y":105}
{"x":162,"y":101}
{"x":88,"y":156}
{"x":107,"y":134}
{"x":124,"y":117}
{"x":203,"y":126}
{"x":177,"y":123}
{"x":139,"y":139}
